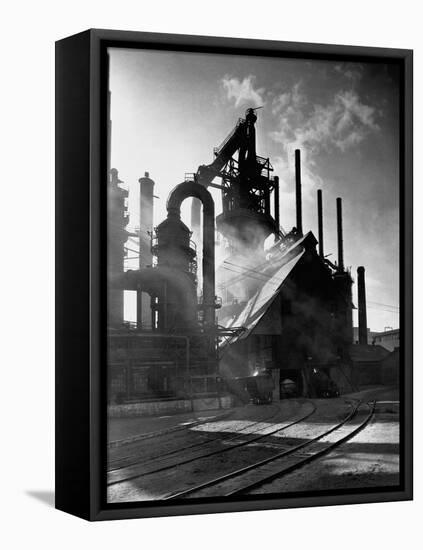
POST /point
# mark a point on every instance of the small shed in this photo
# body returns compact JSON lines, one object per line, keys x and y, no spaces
{"x":367,"y":363}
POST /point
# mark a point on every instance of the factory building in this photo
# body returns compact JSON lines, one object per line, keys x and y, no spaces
{"x":372,"y":361}
{"x":283,"y":311}
{"x":117,"y":235}
{"x":172,"y":350}
{"x":296,"y":323}
{"x":291,"y":307}
{"x":389,"y":339}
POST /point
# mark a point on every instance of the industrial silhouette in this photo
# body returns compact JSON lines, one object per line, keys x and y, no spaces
{"x":281,"y":314}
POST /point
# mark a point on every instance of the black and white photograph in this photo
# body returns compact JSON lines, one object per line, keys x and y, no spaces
{"x":209,"y":339}
{"x":253,"y":276}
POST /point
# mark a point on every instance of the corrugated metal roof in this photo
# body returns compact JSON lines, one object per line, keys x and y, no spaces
{"x":271,"y":276}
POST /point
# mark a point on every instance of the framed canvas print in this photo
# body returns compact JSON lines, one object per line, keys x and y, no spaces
{"x":234,"y":284}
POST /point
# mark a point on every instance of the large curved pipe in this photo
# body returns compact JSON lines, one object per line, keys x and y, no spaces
{"x":177,"y":196}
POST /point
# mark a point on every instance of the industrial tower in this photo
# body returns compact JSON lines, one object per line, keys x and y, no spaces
{"x":246,"y":186}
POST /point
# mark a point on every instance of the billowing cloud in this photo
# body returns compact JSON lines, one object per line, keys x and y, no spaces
{"x":344,"y":122}
{"x":351,"y":71}
{"x":339,"y":124}
{"x":289,"y":102}
{"x":243,"y":91}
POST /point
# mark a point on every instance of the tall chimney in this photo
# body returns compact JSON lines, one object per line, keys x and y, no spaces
{"x":145,"y":257}
{"x":320,"y":221}
{"x":298,"y":190}
{"x":362,"y":313}
{"x":109,"y":135}
{"x":340,"y":236}
{"x":276,"y":192}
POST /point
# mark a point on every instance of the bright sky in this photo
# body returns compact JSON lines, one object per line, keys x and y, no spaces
{"x":169,"y":110}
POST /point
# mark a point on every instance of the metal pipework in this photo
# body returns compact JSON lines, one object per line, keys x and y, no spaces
{"x":177,"y":196}
{"x":298,"y":191}
{"x":362,"y":312}
{"x":196,"y":218}
{"x":320,"y":221}
{"x":340,"y":234}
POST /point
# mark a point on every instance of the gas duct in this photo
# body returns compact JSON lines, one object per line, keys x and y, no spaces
{"x":176,"y":197}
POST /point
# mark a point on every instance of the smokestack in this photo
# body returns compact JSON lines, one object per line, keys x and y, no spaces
{"x":320,"y":221}
{"x":340,"y":236}
{"x":298,"y":190}
{"x":362,"y":313}
{"x":109,"y":135}
{"x":276,"y":192}
{"x":145,"y":256}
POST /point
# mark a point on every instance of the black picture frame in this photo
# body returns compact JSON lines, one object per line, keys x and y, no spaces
{"x":81,"y":151}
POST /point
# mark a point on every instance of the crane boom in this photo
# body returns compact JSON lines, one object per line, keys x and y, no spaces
{"x":206,"y":173}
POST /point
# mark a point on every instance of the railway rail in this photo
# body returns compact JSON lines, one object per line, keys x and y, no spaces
{"x":124,"y":462}
{"x":265,"y":433}
{"x":177,"y":430}
{"x":254,"y":476}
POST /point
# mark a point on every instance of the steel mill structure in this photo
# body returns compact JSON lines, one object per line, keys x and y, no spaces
{"x":283,"y":312}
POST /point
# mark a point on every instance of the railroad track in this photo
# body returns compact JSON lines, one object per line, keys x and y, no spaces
{"x":133,"y":458}
{"x":267,"y":433}
{"x":255,"y":476}
{"x":178,"y":430}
